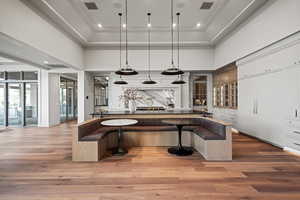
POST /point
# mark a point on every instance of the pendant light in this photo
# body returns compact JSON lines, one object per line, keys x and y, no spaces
{"x":121,"y":81}
{"x":179,"y":80}
{"x":172,"y":70}
{"x":149,"y":81}
{"x":127,"y":70}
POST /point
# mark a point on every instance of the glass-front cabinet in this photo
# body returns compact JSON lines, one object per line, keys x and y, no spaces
{"x":18,"y":98}
{"x":199,"y":98}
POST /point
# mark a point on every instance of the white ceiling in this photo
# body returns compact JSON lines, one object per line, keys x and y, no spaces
{"x":14,"y":52}
{"x":74,"y":18}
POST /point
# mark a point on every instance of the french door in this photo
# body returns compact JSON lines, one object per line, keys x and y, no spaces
{"x":68,"y":101}
{"x":15,"y":99}
{"x":2,"y":104}
{"x":18,"y":104}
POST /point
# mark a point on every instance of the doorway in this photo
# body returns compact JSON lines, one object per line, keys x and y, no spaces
{"x":68,"y":100}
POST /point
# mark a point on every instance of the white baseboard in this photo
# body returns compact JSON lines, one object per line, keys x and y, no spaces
{"x":291,"y":150}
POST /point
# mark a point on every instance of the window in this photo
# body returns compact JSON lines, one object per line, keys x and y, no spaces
{"x":200,"y":91}
{"x":101,"y":91}
{"x":225,"y":92}
{"x":18,"y":98}
{"x":30,"y":75}
{"x":1,"y":76}
{"x":13,"y":75}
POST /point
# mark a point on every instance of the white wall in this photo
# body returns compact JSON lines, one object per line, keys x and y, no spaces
{"x":108,"y":59}
{"x":183,"y":99}
{"x":274,"y":21}
{"x":85,"y":96}
{"x":21,"y":23}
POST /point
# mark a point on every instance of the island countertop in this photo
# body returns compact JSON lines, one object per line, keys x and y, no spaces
{"x":151,"y":112}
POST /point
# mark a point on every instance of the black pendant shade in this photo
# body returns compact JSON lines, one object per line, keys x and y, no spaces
{"x":149,"y":81}
{"x":126,"y":71}
{"x":178,"y":82}
{"x":120,"y":82}
{"x":172,"y":70}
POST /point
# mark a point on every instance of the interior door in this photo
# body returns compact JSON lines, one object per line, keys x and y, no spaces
{"x":15,"y":111}
{"x":2,"y":105}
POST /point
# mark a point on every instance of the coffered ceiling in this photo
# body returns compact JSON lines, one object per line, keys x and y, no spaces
{"x":82,"y":23}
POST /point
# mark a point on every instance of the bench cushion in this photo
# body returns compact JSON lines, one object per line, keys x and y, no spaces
{"x":206,"y":134}
{"x":98,"y":134}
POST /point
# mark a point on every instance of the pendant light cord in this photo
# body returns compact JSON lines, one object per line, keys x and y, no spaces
{"x":120,"y":14}
{"x":178,"y":40}
{"x":126,"y":33}
{"x":149,"y":14}
{"x":172,"y":33}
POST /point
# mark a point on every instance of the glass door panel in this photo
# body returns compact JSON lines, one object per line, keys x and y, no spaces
{"x":63,"y":101}
{"x":70,"y":100}
{"x":31,"y":103}
{"x":15,"y":104}
{"x":2,"y":104}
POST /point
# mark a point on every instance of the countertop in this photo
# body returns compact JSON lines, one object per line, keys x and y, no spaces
{"x":155,"y":112}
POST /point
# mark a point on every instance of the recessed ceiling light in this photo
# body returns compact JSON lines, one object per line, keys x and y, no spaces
{"x":198,"y":25}
{"x":124,"y":25}
{"x":149,"y":25}
{"x":174,"y":25}
{"x":100,"y":25}
{"x":46,"y":62}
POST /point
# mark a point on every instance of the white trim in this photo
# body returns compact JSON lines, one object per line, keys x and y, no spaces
{"x":85,"y":42}
{"x":292,"y":150}
{"x":227,"y":26}
{"x":277,"y":46}
{"x":64,"y":20}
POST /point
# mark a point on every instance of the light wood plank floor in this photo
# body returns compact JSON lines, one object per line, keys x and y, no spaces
{"x":35,"y":163}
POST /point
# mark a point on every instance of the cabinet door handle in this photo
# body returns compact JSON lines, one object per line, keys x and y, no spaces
{"x":296,"y":113}
{"x":297,"y":144}
{"x":297,"y":132}
{"x":256,"y":107}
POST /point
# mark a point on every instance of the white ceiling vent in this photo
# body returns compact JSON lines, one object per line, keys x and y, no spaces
{"x":206,"y":5}
{"x":91,"y":5}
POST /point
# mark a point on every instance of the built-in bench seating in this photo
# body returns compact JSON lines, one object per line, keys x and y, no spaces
{"x":211,"y":138}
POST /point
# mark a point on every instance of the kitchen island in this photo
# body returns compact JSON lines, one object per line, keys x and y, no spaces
{"x":210,"y":137}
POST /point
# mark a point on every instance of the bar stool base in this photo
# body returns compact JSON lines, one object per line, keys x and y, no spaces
{"x":181,"y":151}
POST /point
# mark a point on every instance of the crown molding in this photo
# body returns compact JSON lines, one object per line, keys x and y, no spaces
{"x":84,"y":41}
{"x":272,"y":48}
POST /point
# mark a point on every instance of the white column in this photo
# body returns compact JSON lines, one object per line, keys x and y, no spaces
{"x":85,"y":96}
{"x":49,"y":112}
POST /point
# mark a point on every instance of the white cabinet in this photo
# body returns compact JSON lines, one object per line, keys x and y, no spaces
{"x":268,"y":106}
